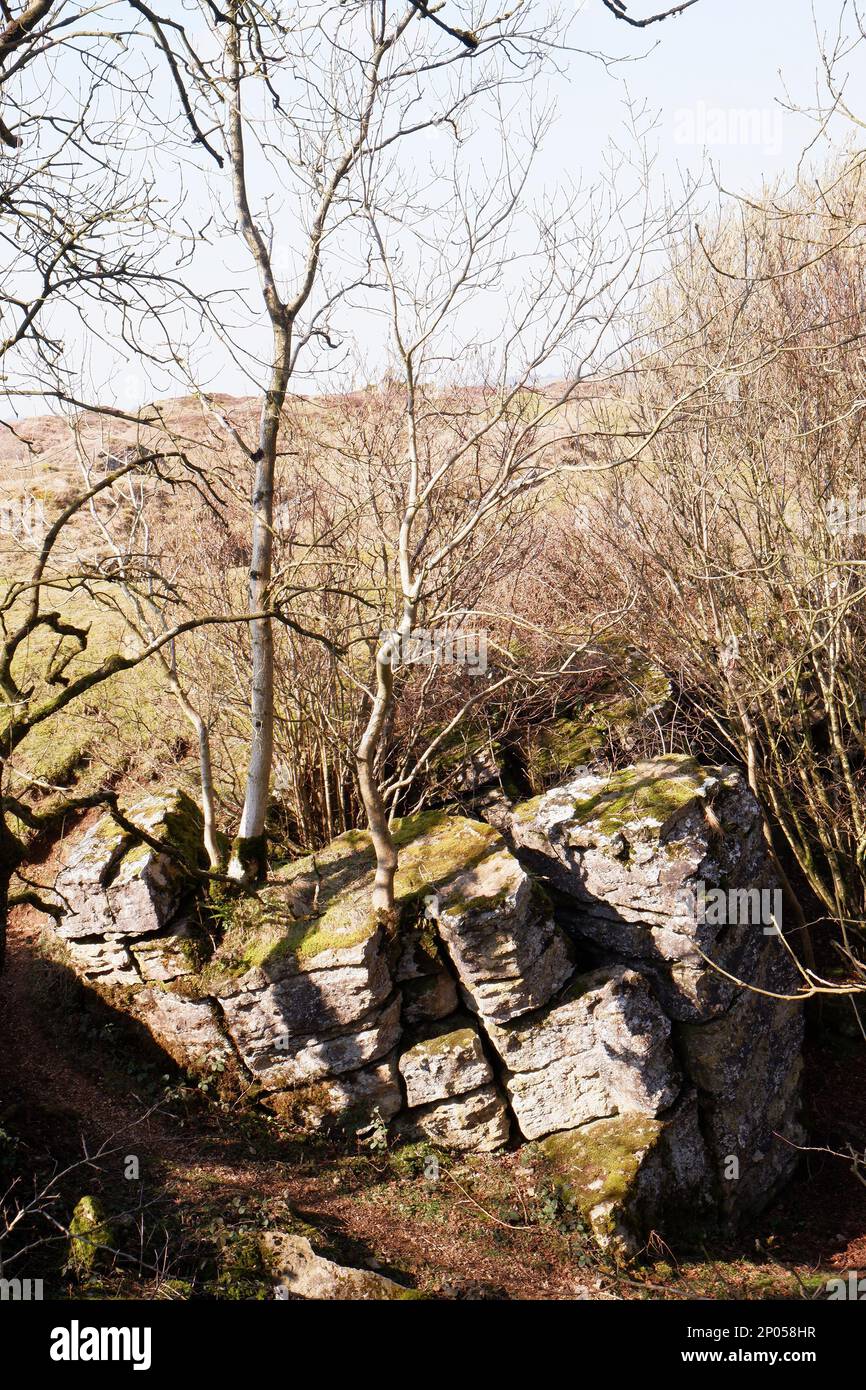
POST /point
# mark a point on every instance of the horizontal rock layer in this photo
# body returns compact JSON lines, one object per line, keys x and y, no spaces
{"x":560,"y":991}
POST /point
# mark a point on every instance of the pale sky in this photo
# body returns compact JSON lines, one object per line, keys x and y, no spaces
{"x":714,"y":80}
{"x":737,"y":55}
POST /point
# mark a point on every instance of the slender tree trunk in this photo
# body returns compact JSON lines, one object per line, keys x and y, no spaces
{"x":374,"y":805}
{"x":208,"y":807}
{"x":208,"y":799}
{"x":378,"y":818}
{"x":249,"y":851}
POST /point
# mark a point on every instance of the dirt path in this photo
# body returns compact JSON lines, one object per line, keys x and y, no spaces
{"x":63,"y":1093}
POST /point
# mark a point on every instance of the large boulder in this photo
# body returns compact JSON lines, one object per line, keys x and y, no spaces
{"x":746,"y":1065}
{"x":637,"y":856}
{"x":113,"y":884}
{"x":316,"y":1001}
{"x":636,"y":852}
{"x":632,"y":1174}
{"x":127,"y":924}
{"x":260,"y":1027}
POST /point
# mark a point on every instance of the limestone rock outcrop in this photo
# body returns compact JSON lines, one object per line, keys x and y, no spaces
{"x":120,"y":889}
{"x":632,"y":852}
{"x":555,"y":984}
{"x":603,"y":1048}
{"x":662,"y":867}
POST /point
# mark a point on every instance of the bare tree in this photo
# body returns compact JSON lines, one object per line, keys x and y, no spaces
{"x":346,"y":87}
{"x":347,"y":81}
{"x":468,"y":459}
{"x":90,"y":251}
{"x":740,"y":533}
{"x":310,"y":107}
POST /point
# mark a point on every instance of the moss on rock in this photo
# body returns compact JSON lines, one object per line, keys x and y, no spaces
{"x":566,"y":743}
{"x":595,"y":1169}
{"x":90,"y":1234}
{"x":173,"y":818}
{"x":444,"y":1043}
{"x":654,"y":792}
{"x":323,"y":902}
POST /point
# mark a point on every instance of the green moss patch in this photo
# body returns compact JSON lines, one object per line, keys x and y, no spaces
{"x":322,"y":902}
{"x":597,"y":1165}
{"x":559,"y":747}
{"x":655,"y":791}
{"x":90,"y":1234}
{"x":626,"y":687}
{"x":458,"y":1040}
{"x":173,"y":818}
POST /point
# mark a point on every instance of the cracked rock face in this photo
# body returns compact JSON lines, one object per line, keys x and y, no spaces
{"x":498,"y":929}
{"x":115,"y":887}
{"x":351,"y":1101}
{"x":746,"y":1065}
{"x":597,"y":1028}
{"x":320,"y":994}
{"x":602,"y":1050}
{"x":258,"y":1024}
{"x":429,"y":998}
{"x":187,"y":1029}
{"x":476,"y":1122}
{"x":429,"y":991}
{"x":637,"y":856}
{"x":304,"y":979}
{"x":634,"y":851}
{"x":443,"y":1066}
{"x":451,"y":1093}
{"x":164,"y":959}
{"x":103,"y":960}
